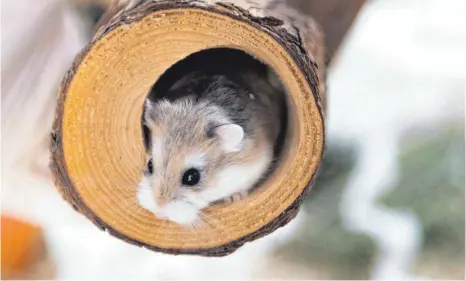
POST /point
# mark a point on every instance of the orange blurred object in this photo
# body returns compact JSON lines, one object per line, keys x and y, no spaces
{"x":24,"y":251}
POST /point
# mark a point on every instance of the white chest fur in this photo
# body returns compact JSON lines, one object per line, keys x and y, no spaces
{"x":237,"y":178}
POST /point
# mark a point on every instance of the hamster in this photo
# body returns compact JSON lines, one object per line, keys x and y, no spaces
{"x":211,"y":138}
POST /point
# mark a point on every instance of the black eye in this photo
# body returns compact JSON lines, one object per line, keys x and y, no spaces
{"x":149,"y":166}
{"x":191,"y":177}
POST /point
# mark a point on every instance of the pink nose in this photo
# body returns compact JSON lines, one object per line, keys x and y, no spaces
{"x":161,"y":215}
{"x":161,"y":201}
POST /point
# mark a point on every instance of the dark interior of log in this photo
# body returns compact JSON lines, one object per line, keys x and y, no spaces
{"x":218,"y":61}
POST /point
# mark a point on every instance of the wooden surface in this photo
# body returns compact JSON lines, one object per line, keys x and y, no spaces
{"x":334,"y":16}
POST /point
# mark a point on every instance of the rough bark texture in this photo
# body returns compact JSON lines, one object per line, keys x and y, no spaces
{"x":297,"y":34}
{"x":276,"y":15}
{"x":335,"y":17}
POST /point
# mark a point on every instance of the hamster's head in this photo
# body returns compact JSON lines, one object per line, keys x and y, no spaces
{"x":191,"y":146}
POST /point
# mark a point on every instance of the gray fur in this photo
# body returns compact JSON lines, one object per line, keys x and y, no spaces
{"x":204,"y":102}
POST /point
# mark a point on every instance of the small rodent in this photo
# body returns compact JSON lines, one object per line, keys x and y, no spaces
{"x":211,"y":138}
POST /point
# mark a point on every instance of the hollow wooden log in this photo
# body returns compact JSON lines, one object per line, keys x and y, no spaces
{"x":97,"y":147}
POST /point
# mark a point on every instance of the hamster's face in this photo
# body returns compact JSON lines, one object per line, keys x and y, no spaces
{"x":186,"y":160}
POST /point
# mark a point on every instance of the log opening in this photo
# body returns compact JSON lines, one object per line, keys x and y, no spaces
{"x":97,"y":141}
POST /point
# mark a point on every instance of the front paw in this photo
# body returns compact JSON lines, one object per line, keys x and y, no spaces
{"x":236,"y":197}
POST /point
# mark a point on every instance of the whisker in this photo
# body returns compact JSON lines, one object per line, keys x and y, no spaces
{"x":128,"y":202}
{"x":140,"y":211}
{"x":194,"y":226}
{"x":125,"y":188}
{"x":191,"y":227}
{"x":208,"y":219}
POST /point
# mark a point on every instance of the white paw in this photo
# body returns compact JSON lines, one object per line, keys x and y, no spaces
{"x":182,"y":213}
{"x":145,"y":196}
{"x":236,"y":197}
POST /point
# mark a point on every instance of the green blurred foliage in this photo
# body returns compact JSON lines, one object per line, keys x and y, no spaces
{"x":432,"y":185}
{"x":322,"y":240}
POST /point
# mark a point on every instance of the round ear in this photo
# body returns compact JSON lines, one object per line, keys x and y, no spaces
{"x":148,"y":109}
{"x":148,"y":105}
{"x":230,"y":136}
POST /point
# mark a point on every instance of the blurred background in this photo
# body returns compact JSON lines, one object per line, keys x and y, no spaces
{"x":389,"y":201}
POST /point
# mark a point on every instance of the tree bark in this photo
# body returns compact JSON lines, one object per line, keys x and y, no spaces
{"x":306,"y":32}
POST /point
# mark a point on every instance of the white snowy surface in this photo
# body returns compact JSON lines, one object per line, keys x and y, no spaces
{"x":403,"y":65}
